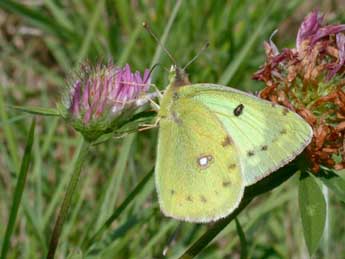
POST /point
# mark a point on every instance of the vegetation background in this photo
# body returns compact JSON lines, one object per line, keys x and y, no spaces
{"x":43,"y":41}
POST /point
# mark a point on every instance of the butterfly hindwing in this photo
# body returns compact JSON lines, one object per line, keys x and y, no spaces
{"x":198,"y":173}
{"x":267,"y":136}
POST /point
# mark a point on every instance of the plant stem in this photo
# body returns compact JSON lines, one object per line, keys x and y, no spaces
{"x":72,"y":187}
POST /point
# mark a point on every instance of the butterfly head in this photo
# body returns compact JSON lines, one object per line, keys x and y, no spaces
{"x":178,"y":77}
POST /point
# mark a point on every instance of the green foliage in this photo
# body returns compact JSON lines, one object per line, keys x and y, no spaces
{"x":312,"y":206}
{"x":243,"y":240}
{"x":18,"y":192}
{"x":334,"y":182}
{"x":114,"y":210}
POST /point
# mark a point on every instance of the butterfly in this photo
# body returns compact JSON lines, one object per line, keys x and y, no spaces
{"x":213,"y":142}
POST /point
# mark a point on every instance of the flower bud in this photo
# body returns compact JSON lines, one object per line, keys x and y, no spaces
{"x":100,"y":97}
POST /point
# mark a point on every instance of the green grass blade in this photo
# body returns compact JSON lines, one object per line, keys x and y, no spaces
{"x":257,"y":215}
{"x":212,"y":232}
{"x":71,"y":188}
{"x":47,"y":141}
{"x":265,"y":185}
{"x":159,"y":235}
{"x":90,"y":32}
{"x":60,"y":188}
{"x":164,"y":37}
{"x":14,"y":119}
{"x":119,"y":210}
{"x":18,"y":192}
{"x":37,"y":228}
{"x":59,"y":14}
{"x":44,"y":111}
{"x":115,"y":181}
{"x":130,"y":45}
{"x":8,"y":132}
{"x":233,"y":67}
{"x":243,"y":241}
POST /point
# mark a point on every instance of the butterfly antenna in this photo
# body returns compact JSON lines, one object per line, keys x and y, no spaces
{"x":158,"y":65}
{"x":153,"y":68}
{"x":197,"y":55}
{"x":149,"y":30}
{"x":153,"y":85}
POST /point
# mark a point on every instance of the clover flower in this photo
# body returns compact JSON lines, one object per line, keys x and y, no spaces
{"x":99,"y":97}
{"x":309,"y":79}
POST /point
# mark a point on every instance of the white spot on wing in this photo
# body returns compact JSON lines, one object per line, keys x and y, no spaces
{"x":204,"y":161}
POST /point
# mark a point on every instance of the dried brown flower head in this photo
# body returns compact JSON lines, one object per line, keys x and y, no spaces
{"x":309,"y":79}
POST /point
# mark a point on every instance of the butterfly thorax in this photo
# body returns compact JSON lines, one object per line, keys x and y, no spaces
{"x":177,"y":79}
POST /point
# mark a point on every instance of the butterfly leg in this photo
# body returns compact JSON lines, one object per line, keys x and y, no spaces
{"x":155,"y":105}
{"x":159,"y":94}
{"x":149,"y":126}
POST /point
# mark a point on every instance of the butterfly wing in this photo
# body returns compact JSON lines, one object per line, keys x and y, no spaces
{"x":267,"y":135}
{"x":198,"y":173}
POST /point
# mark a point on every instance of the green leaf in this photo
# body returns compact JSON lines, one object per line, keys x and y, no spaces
{"x":129,"y":126}
{"x":243,"y":240}
{"x":312,"y":207}
{"x":18,"y":192}
{"x":37,"y":110}
{"x":333,"y":182}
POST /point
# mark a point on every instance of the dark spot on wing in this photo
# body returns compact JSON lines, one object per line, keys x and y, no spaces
{"x":189,"y":198}
{"x":232,"y":166}
{"x":172,"y":192}
{"x":226,"y":183}
{"x":264,"y":147}
{"x":176,"y":118}
{"x":227,"y":141}
{"x":175,"y":96}
{"x":250,"y":153}
{"x":238,"y":110}
{"x":203,"y":199}
{"x":285,"y":111}
{"x":273,"y":105}
{"x":283,"y":131}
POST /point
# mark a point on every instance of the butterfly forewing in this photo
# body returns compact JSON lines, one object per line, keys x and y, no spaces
{"x":267,"y":136}
{"x":198,"y":171}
